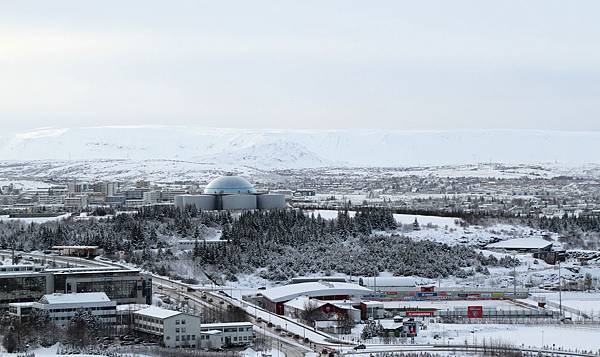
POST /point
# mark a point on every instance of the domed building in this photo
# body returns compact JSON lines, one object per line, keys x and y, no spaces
{"x":227,"y":185}
{"x":231,"y":193}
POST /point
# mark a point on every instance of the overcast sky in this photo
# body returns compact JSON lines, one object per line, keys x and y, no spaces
{"x":301,"y":64}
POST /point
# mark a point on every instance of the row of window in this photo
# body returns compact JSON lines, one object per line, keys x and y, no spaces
{"x":93,"y":308}
{"x":149,"y":327}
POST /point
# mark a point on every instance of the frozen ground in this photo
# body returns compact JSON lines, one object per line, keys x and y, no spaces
{"x":564,"y":336}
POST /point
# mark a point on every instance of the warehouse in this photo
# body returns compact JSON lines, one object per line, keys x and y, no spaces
{"x":274,"y":299}
{"x":231,"y":193}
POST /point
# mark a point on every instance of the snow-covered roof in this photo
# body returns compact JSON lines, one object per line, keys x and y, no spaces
{"x":225,"y":324}
{"x":75,"y":298}
{"x":131,"y":307}
{"x":401,"y":281}
{"x":314,"y":289}
{"x":157,"y":312}
{"x":301,"y":302}
{"x":521,"y":243}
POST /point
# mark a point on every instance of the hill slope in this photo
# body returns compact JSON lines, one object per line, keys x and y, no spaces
{"x":303,"y":148}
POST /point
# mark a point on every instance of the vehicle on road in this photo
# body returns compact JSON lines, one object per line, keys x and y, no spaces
{"x":360,"y":347}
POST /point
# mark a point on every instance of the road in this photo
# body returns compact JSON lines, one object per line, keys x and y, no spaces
{"x":261,"y":318}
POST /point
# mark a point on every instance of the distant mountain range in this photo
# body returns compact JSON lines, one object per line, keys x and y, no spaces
{"x":271,"y":149}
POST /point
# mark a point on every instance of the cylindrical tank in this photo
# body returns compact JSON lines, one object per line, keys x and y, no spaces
{"x":201,"y":202}
{"x":270,"y":201}
{"x":179,"y":201}
{"x":234,"y":202}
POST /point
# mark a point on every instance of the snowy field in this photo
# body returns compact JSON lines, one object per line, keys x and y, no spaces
{"x":28,"y":220}
{"x":451,"y":304}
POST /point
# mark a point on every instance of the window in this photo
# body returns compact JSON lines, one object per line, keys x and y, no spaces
{"x":177,"y":330}
{"x":168,"y":337}
{"x":194,"y":337}
{"x":183,"y":322}
{"x":183,"y":329}
{"x":176,"y":338}
{"x":176,"y":322}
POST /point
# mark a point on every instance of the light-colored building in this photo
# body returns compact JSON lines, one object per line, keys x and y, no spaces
{"x":231,"y":193}
{"x":61,"y":308}
{"x":174,"y":328}
{"x":232,"y":333}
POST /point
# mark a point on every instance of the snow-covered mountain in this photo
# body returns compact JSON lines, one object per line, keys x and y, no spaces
{"x":268,"y":149}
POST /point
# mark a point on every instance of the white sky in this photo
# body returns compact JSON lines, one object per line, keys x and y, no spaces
{"x":301,"y":64}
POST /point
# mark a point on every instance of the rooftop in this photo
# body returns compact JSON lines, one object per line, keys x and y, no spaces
{"x":229,"y":185}
{"x":75,"y":298}
{"x":521,"y":243}
{"x":157,"y":312}
{"x":313,"y":289}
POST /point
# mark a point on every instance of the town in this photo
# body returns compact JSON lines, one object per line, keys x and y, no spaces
{"x":95,"y":296}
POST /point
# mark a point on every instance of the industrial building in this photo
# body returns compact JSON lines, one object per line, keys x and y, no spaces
{"x":231,"y":193}
{"x":274,"y":299}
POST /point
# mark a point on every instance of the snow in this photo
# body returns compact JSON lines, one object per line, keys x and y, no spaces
{"x":288,"y":292}
{"x":28,"y":220}
{"x":76,"y":298}
{"x":452,"y":304}
{"x":521,"y":243}
{"x":400,"y":218}
{"x":157,"y":312}
{"x":264,"y":148}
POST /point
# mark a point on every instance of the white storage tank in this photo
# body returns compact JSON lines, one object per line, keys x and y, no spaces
{"x":201,"y":202}
{"x":179,"y":201}
{"x":270,"y":201}
{"x":234,"y":202}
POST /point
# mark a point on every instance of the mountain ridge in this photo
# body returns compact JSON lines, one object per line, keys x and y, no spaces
{"x":302,"y":148}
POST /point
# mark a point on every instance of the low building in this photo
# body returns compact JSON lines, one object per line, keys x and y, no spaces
{"x":274,"y":299}
{"x":172,"y":328}
{"x":231,"y":333}
{"x":524,"y":245}
{"x":61,"y":308}
{"x":87,"y":251}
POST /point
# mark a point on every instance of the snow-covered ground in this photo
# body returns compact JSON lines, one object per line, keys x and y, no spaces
{"x":28,"y":220}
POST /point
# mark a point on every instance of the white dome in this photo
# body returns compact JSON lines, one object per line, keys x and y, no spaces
{"x":229,"y":185}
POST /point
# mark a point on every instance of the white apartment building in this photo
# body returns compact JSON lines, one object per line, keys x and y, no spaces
{"x":61,"y":308}
{"x":176,"y":329}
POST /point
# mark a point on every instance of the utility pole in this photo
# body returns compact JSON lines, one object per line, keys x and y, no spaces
{"x":514,"y":282}
{"x":560,"y":290}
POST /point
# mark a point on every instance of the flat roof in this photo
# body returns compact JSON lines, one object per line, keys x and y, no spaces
{"x":521,"y":243}
{"x":313,"y":289}
{"x":225,"y":324}
{"x":75,"y":298}
{"x":157,"y":312}
{"x":75,"y":247}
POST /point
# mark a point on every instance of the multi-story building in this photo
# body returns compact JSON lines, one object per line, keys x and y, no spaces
{"x":23,"y":283}
{"x":173,"y":328}
{"x":61,"y":308}
{"x":231,"y":333}
{"x":28,"y":283}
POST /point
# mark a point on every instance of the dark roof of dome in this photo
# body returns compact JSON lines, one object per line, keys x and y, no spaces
{"x":229,"y":185}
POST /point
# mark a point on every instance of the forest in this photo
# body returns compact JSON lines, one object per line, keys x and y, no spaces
{"x":276,"y":245}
